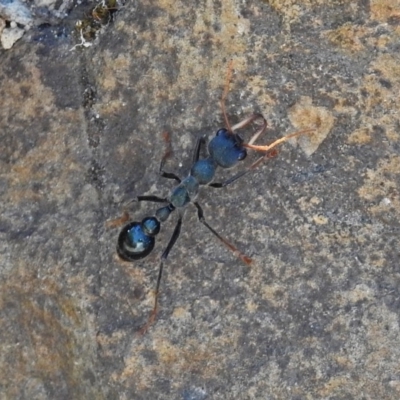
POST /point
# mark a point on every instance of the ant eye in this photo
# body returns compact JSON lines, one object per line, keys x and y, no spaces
{"x":242,"y":155}
{"x":221,"y":131}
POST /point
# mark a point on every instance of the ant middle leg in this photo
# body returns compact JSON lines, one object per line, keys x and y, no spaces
{"x":200,"y":215}
{"x":168,"y":153}
{"x":153,"y":199}
{"x":200,"y":141}
{"x":117,"y":222}
{"x":164,"y":256}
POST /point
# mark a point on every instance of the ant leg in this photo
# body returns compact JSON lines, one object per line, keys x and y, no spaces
{"x":248,"y":121}
{"x":164,"y":256}
{"x":169,"y":175}
{"x":200,"y":141}
{"x":114,"y":223}
{"x":151,"y":198}
{"x":278,"y":141}
{"x":230,"y":246}
{"x":117,"y":222}
{"x":224,"y":94}
{"x":245,"y":172}
{"x":167,"y":154}
{"x":266,"y":149}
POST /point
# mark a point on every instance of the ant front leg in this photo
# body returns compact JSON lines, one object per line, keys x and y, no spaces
{"x":152,"y":199}
{"x":242,"y":124}
{"x":247,"y":120}
{"x":117,"y":222}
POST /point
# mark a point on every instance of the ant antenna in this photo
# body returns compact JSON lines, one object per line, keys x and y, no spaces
{"x":225,"y":94}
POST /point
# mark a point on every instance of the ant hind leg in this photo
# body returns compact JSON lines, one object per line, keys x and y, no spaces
{"x":164,"y":256}
{"x":200,"y":214}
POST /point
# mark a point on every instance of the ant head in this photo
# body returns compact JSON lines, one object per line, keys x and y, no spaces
{"x":226,"y":148}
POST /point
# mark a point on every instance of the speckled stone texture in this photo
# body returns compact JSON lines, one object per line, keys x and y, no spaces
{"x":316,"y":315}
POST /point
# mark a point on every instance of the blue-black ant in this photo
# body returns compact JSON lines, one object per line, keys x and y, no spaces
{"x":136,"y":240}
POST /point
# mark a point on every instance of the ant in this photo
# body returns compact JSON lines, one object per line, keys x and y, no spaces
{"x":136,"y":240}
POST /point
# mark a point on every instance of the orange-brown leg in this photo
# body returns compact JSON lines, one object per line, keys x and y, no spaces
{"x":266,"y":148}
{"x":225,"y":94}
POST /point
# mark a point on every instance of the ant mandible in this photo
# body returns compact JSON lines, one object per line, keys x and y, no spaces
{"x":136,"y":240}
